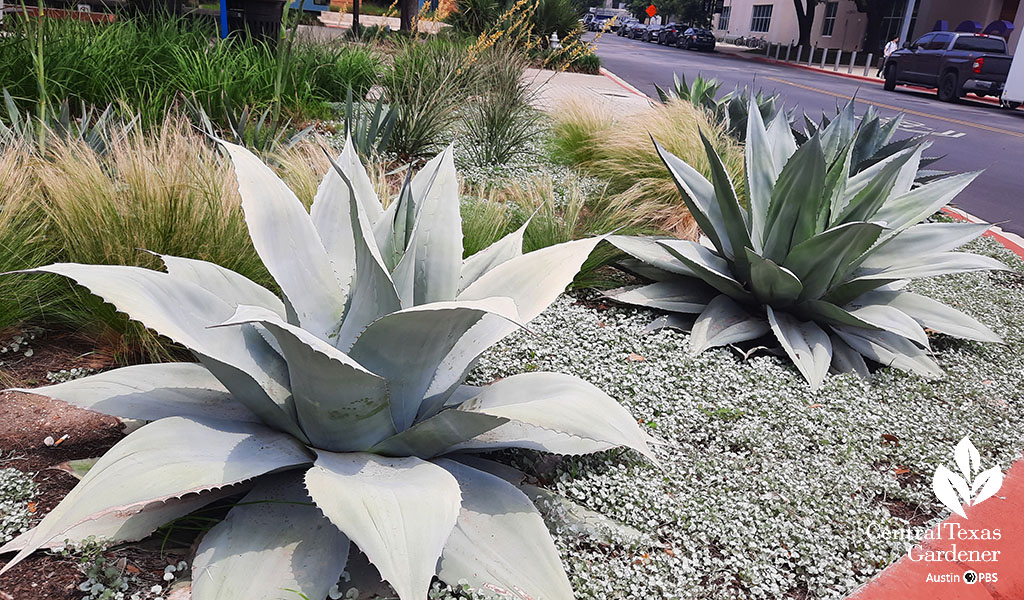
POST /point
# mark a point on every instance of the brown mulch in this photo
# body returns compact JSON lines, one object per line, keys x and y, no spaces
{"x":26,"y":420}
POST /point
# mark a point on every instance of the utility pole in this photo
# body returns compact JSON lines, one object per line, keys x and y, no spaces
{"x":907,"y":15}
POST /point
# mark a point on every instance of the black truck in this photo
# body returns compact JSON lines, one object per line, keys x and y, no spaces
{"x":953,"y":63}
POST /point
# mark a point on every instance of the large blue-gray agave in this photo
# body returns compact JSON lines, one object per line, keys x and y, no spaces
{"x":341,"y":408}
{"x":820,"y":254}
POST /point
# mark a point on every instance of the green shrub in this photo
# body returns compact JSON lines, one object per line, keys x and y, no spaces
{"x":587,"y":63}
{"x":148,"y":63}
{"x":427,"y":82}
{"x":474,"y":16}
{"x":500,"y":120}
{"x":552,"y":16}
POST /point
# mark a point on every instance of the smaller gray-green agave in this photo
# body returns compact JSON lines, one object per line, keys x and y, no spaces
{"x":340,"y":409}
{"x":817,"y":258}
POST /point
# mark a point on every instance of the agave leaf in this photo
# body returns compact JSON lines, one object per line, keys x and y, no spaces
{"x":504,"y":250}
{"x":285,"y":238}
{"x":130,"y":525}
{"x":847,"y":360}
{"x":829,"y":314}
{"x":399,"y":511}
{"x":888,"y":318}
{"x":644,"y":270}
{"x":393,"y":230}
{"x":770,"y":283}
{"x":933,"y":315}
{"x":433,"y":260}
{"x":519,"y":435}
{"x":792,"y":214}
{"x":677,"y":296}
{"x":935,"y":237}
{"x":561,"y":403}
{"x":340,"y":405}
{"x":181,"y":310}
{"x":783,"y":144}
{"x":806,"y":344}
{"x":734,"y":218}
{"x":890,"y":350}
{"x":533,"y":281}
{"x":724,"y":322}
{"x":433,"y":330}
{"x":164,"y":460}
{"x":709,"y":267}
{"x":275,"y":542}
{"x":930,"y":265}
{"x":885,"y":184}
{"x":836,"y":179}
{"x":866,"y":141}
{"x":890,"y":148}
{"x":500,"y":540}
{"x":761,"y":175}
{"x":650,"y":252}
{"x":151,"y":392}
{"x":911,"y":208}
{"x":838,"y":132}
{"x":226,"y":284}
{"x":699,"y":196}
{"x":437,"y":434}
{"x":824,"y":259}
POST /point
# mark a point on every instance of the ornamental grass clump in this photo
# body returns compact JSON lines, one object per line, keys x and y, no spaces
{"x":816,"y":258}
{"x":339,"y":409}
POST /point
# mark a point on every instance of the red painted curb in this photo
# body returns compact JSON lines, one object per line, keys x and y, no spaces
{"x":1000,"y":576}
{"x":1009,"y":244}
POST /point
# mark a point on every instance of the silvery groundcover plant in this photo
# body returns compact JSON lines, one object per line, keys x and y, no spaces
{"x":819,"y":256}
{"x":341,"y":409}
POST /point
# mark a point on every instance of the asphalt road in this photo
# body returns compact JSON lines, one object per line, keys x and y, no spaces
{"x":971,"y":135}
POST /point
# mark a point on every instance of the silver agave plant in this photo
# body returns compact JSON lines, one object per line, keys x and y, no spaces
{"x":341,"y":409}
{"x":817,"y":258}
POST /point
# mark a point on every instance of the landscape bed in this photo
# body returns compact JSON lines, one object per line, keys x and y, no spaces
{"x":768,"y":490}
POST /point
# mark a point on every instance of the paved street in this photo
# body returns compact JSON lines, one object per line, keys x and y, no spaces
{"x":972,"y":135}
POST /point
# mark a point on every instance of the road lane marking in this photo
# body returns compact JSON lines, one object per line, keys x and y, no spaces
{"x":898,"y":109}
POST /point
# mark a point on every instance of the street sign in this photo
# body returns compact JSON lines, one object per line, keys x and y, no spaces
{"x":651,"y":11}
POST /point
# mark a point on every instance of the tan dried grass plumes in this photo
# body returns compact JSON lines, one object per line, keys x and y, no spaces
{"x":619,"y":150}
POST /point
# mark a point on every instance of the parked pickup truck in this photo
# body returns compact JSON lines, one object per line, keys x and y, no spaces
{"x":953,"y":63}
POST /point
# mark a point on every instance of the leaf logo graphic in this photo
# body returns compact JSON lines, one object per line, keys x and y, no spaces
{"x":972,"y":486}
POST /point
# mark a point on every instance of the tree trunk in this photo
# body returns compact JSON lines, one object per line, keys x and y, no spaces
{"x":805,"y":18}
{"x":408,"y":9}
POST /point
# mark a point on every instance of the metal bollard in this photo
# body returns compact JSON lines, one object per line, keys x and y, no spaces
{"x":839,"y":57}
{"x":778,"y":50}
{"x":810,"y":54}
{"x":824,"y":55}
{"x":788,"y":49}
{"x":799,"y":53}
{"x":853,"y":60}
{"x":867,"y":64}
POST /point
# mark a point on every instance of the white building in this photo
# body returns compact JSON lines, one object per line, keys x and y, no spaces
{"x":838,"y":24}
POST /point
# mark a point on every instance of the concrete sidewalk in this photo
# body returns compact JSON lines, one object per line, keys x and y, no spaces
{"x":344,"y":21}
{"x":553,"y":88}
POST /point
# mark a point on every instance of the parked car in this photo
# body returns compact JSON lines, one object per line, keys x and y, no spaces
{"x":668,"y":34}
{"x":651,"y":33}
{"x":954,"y":63}
{"x":637,"y":30}
{"x":623,"y":26}
{"x":598,"y":22}
{"x":696,"y":38}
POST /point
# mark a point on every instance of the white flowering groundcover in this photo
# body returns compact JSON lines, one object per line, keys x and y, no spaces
{"x":768,"y":490}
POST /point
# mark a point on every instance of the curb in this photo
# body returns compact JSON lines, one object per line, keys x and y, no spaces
{"x":624,"y":84}
{"x":1013,"y":242}
{"x":868,"y":79}
{"x":959,"y":552}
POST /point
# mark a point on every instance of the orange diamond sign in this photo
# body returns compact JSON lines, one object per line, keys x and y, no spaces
{"x":651,"y":11}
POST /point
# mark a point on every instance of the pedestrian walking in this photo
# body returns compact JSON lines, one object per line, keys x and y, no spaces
{"x":892,"y":46}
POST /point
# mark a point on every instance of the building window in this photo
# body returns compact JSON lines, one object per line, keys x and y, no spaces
{"x":828,"y":24}
{"x":723,"y":18}
{"x":892,"y":23}
{"x":761,"y":18}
